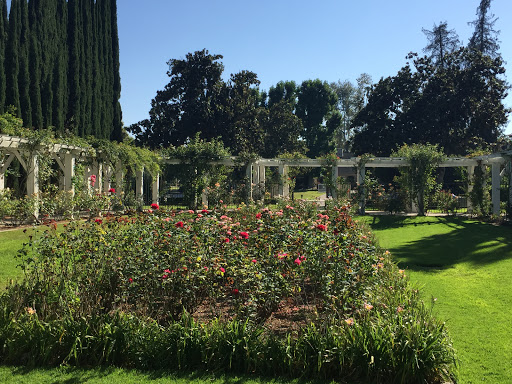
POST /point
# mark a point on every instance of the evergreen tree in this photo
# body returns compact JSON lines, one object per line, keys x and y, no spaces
{"x":117,"y":123}
{"x":3,"y":42}
{"x":12,"y":67}
{"x":24,"y":74}
{"x":74,"y":115}
{"x":60,"y":68}
{"x":485,"y":38}
{"x":441,"y":41}
{"x":35,"y":68}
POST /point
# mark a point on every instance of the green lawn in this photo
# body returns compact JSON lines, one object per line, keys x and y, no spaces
{"x":467,"y":266}
{"x":10,"y":243}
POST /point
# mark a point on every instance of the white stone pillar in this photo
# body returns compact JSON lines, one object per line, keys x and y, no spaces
{"x":32,"y":176}
{"x":261,"y":180}
{"x":139,"y":186}
{"x":155,"y":187}
{"x":106,"y":178}
{"x":97,"y":169}
{"x":3,"y":169}
{"x":248,"y":176}
{"x":119,"y":179}
{"x":471,"y":175}
{"x":33,"y":181}
{"x":334,"y":180}
{"x":69,"y":172}
{"x":361,"y":174}
{"x":284,"y":188}
{"x":495,"y":191}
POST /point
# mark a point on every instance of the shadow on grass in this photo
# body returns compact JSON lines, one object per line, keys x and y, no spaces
{"x":459,"y":240}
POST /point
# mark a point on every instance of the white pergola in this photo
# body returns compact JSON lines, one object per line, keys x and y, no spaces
{"x":66,"y":156}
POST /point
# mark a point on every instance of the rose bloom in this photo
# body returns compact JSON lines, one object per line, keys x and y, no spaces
{"x":244,"y":235}
{"x":297,"y":261}
{"x":222,"y":269}
{"x":258,"y":215}
{"x":98,"y":221}
{"x":155,"y":206}
{"x":235,"y":291}
{"x":179,"y":224}
{"x":112,"y":190}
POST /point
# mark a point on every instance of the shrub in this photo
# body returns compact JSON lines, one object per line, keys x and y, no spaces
{"x":291,"y":291}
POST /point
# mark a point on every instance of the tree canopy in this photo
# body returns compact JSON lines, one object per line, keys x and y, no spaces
{"x":59,"y":65}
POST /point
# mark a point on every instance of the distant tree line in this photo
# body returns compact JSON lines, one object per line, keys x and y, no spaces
{"x":289,"y":118}
{"x":59,"y":65}
{"x":453,"y":96}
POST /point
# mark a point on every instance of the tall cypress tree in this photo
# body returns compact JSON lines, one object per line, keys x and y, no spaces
{"x":108,"y":68}
{"x":74,"y":116}
{"x":3,"y":42}
{"x":35,"y":68}
{"x":86,"y":69}
{"x":117,"y":123}
{"x":60,"y":68}
{"x":12,"y":66}
{"x":24,"y":74}
{"x":97,"y":73}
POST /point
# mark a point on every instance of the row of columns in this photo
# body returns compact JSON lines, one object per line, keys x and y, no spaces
{"x":67,"y":162}
{"x":255,"y":173}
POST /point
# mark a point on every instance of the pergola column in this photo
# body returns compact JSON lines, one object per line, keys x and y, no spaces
{"x":106,"y":178}
{"x":3,"y":169}
{"x":33,"y":181}
{"x":495,"y":191}
{"x":361,"y":174}
{"x":97,"y":169}
{"x":509,"y":167}
{"x":334,"y":178}
{"x":248,"y":176}
{"x":69,"y":172}
{"x":119,"y":179}
{"x":471,"y":173}
{"x":261,"y":180}
{"x":139,"y":186}
{"x":284,"y":187}
{"x":155,"y":189}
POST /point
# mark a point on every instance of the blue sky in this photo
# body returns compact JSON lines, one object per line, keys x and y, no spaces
{"x":285,"y":40}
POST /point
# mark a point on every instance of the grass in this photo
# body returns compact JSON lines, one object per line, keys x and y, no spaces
{"x":121,"y":376}
{"x":11,"y":241}
{"x":467,"y":266}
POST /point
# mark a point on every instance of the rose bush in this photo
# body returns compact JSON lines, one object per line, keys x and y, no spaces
{"x":290,"y":273}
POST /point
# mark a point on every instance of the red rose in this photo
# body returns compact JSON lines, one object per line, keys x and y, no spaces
{"x":321,"y":227}
{"x":234,"y":291}
{"x":112,"y":190}
{"x":244,"y":235}
{"x":155,"y":206}
{"x":179,"y":224}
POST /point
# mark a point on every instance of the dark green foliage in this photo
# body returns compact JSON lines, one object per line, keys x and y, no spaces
{"x":63,"y":65}
{"x":105,"y":292}
{"x":316,"y":100}
{"x":458,"y":106}
{"x":485,"y":38}
{"x":12,"y":64}
{"x":441,"y":41}
{"x":3,"y":43}
{"x":188,"y":103}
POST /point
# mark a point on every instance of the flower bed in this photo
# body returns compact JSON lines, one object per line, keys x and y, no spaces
{"x":291,"y":290}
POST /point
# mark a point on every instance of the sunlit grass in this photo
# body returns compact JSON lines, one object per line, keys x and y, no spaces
{"x":467,"y":266}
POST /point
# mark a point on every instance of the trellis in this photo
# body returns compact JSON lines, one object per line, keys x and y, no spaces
{"x":66,"y":157}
